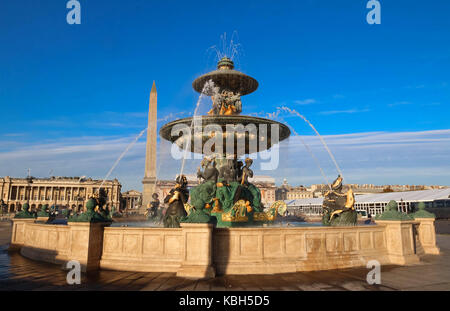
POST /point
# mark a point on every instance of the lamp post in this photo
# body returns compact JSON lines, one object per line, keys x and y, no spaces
{"x":79,"y":199}
{"x":2,"y":206}
{"x":55,"y":197}
{"x":28,"y":187}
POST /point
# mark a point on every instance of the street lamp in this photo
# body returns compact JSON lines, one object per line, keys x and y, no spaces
{"x":29,"y":182}
{"x":55,"y":197}
{"x":79,"y":199}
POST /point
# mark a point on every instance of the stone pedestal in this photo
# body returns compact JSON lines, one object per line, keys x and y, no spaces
{"x":196,"y":251}
{"x":42,"y":219}
{"x":427,"y":235}
{"x":18,"y":232}
{"x":400,"y":241}
{"x":86,"y":244}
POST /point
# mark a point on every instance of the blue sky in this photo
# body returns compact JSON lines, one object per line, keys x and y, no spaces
{"x":83,"y":89}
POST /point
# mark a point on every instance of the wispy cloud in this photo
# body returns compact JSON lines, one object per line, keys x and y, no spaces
{"x":401,"y":103}
{"x":14,"y":134}
{"x":308,"y":101}
{"x":417,"y":86}
{"x":348,"y":111}
{"x":374,"y":157}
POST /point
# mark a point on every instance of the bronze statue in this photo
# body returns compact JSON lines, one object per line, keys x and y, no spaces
{"x":225,"y":103}
{"x":239,"y":165}
{"x":176,"y":199}
{"x":154,"y":205}
{"x":25,"y":212}
{"x":210,"y":172}
{"x":228,"y":172}
{"x":217,"y":100}
{"x":338,"y":206}
{"x":246,"y":172}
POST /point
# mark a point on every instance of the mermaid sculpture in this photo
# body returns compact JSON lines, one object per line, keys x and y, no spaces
{"x":338,"y":206}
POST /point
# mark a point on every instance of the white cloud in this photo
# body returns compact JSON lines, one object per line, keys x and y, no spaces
{"x":373,"y":157}
{"x":305,"y":101}
{"x":401,"y":103}
{"x":349,"y":111}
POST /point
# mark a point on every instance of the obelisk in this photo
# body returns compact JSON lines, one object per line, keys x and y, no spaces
{"x":149,"y":180}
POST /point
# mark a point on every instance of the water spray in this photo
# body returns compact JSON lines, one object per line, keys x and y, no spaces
{"x":122,"y":155}
{"x":292,"y":111}
{"x":207,"y":87}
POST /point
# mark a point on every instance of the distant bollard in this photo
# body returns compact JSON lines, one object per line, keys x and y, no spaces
{"x":74,"y":275}
{"x":374,"y":275}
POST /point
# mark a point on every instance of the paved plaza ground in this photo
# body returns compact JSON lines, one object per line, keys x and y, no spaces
{"x":19,"y":273}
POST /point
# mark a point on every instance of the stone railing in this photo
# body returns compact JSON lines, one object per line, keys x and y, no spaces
{"x":199,"y":250}
{"x":59,"y":243}
{"x":142,"y":249}
{"x":282,"y":250}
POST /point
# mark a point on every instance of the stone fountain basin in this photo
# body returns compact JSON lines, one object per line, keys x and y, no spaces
{"x":247,"y":129}
{"x":228,"y":79}
{"x":197,"y":250}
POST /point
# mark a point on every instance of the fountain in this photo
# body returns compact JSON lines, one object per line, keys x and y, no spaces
{"x":226,"y":197}
{"x":207,"y":244}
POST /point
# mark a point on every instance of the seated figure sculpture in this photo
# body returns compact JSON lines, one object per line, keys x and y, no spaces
{"x":204,"y":195}
{"x":25,"y":212}
{"x":44,"y":211}
{"x":225,"y":103}
{"x":210,"y":172}
{"x":91,"y":214}
{"x":152,"y":212}
{"x":247,"y":173}
{"x":338,"y":206}
{"x":227,"y":172}
{"x":176,"y":199}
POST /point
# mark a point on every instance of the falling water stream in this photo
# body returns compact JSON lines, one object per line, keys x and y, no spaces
{"x":312,"y":156}
{"x":122,"y":155}
{"x":208,"y":86}
{"x":292,"y":111}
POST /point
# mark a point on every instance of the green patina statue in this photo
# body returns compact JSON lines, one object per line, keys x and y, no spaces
{"x":25,"y":212}
{"x":225,"y":196}
{"x":95,"y":212}
{"x":152,"y":211}
{"x":421,"y":212}
{"x":203,"y":195}
{"x":338,"y":206}
{"x":391,"y":213}
{"x":176,"y":199}
{"x":44,"y":211}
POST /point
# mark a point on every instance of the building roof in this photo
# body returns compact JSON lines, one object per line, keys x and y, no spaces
{"x":422,"y":195}
{"x":262,"y":179}
{"x":407,"y":196}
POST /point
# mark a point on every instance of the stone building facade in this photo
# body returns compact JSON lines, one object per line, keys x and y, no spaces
{"x":288,"y":192}
{"x":131,"y":201}
{"x":70,"y":192}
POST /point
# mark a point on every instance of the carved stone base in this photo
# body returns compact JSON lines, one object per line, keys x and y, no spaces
{"x":197,"y":251}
